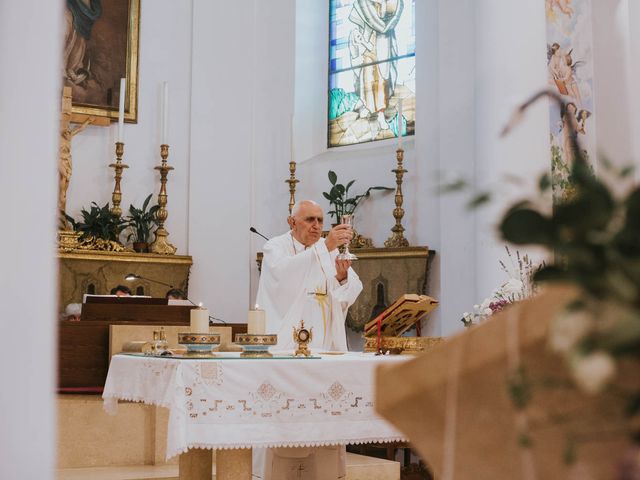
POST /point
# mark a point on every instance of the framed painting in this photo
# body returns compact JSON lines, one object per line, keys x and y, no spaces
{"x":101,"y":47}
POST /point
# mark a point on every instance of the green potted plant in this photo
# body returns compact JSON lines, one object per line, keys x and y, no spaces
{"x":140,"y":222}
{"x":339,"y":198}
{"x":98,"y":223}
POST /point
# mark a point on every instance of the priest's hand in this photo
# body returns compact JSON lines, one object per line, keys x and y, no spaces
{"x":342,"y":268}
{"x":338,"y":235}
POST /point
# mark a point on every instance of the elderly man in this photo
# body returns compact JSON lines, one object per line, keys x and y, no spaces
{"x":302,"y":279}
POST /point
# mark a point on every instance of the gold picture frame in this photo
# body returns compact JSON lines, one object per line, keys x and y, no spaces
{"x":101,"y":46}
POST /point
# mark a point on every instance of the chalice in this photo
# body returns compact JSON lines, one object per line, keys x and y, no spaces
{"x":347,"y":255}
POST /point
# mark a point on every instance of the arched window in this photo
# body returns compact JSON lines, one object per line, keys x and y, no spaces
{"x":371,"y":70}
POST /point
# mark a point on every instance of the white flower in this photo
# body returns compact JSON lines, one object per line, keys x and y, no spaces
{"x":513,"y":288}
{"x":568,"y":329}
{"x":593,"y":371}
{"x":487,"y":311}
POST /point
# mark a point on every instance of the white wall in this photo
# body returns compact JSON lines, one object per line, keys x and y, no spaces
{"x":614,"y":113}
{"x":221,"y":149}
{"x":634,"y":78}
{"x":510,"y":67}
{"x":29,"y":119}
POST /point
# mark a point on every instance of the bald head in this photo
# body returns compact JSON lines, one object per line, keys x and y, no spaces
{"x":306,"y":222}
{"x":295,"y":211}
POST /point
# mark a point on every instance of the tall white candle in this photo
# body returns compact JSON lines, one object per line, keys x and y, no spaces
{"x":400,"y":123}
{"x":165,"y":112}
{"x":256,"y":324}
{"x":291,"y":139}
{"x":199,"y":320}
{"x":123,"y":94}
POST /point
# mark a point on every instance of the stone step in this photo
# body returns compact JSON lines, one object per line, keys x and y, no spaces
{"x":359,"y":467}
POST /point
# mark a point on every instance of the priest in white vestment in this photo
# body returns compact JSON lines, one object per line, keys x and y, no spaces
{"x":302,"y":279}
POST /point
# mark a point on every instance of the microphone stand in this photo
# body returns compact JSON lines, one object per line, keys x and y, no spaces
{"x":133,"y":276}
{"x":253,"y":230}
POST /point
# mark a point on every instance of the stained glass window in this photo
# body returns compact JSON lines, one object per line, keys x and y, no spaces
{"x":371,"y":70}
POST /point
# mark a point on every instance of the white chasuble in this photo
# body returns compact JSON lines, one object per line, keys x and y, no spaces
{"x":299,"y":283}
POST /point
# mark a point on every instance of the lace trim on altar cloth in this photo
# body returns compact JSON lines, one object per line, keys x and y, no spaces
{"x":227,"y":446}
{"x":110,"y":404}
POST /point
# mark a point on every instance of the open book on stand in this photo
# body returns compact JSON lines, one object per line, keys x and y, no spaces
{"x":385,"y":332}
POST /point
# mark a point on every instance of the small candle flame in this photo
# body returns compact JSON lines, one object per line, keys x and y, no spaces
{"x":257,"y":307}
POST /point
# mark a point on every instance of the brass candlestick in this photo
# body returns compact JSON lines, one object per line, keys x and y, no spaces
{"x":161,"y":244}
{"x":116,"y":196}
{"x":397,"y":238}
{"x":292,"y":180}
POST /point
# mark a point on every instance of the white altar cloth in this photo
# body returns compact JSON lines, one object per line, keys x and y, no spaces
{"x":230,"y":403}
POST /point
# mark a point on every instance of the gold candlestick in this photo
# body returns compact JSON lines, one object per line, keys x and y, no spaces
{"x":292,"y":180}
{"x":161,"y":244}
{"x":116,"y":196}
{"x":397,"y":238}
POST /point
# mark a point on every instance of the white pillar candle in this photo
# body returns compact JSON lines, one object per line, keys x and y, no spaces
{"x":165,"y":113}
{"x":399,"y":123}
{"x":256,"y":325}
{"x":123,"y":94}
{"x":200,"y":320}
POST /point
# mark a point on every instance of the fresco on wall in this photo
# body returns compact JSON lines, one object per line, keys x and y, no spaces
{"x":371,"y":68}
{"x":570,"y":73}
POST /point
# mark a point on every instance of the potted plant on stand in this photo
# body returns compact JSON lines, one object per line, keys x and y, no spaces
{"x":343,"y":204}
{"x":99,"y":228}
{"x":140,"y":222}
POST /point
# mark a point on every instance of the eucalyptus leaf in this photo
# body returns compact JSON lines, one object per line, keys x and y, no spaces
{"x":527,"y":227}
{"x":478,"y":200}
{"x":455,"y":186}
{"x":624,"y":336}
{"x":550,"y":273}
{"x":544,"y":182}
{"x":626,"y":171}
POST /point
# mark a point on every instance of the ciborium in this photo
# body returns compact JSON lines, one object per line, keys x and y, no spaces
{"x":199,"y":344}
{"x":256,"y":345}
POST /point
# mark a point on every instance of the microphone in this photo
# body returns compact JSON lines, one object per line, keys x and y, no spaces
{"x":253,"y":230}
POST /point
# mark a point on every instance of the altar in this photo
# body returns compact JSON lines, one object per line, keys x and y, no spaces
{"x":232,"y":404}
